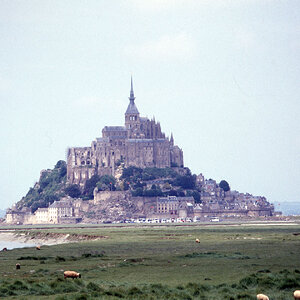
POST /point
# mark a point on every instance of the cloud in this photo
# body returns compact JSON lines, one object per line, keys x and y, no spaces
{"x":180,"y":46}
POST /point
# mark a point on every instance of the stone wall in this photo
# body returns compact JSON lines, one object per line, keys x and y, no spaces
{"x":109,"y":195}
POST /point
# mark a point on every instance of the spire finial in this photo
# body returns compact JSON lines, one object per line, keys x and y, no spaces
{"x":172,"y":139}
{"x":131,"y":98}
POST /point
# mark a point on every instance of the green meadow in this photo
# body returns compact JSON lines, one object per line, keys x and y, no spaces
{"x":158,"y":262}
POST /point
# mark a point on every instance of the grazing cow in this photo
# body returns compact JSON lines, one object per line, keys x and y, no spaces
{"x":18,"y":266}
{"x":297,"y":295}
{"x":197,"y":241}
{"x":4,"y":249}
{"x":38,"y":247}
{"x":71,"y":274}
{"x":262,"y":297}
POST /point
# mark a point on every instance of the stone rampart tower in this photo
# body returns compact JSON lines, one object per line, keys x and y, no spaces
{"x":139,"y":143}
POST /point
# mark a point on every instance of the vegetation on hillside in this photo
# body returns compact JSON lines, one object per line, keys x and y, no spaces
{"x":48,"y":189}
{"x":153,"y":182}
{"x":147,"y":182}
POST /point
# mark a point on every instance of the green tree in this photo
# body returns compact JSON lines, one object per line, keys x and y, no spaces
{"x":90,"y":185}
{"x":195,"y":194}
{"x":138,"y":192}
{"x":186,"y":181}
{"x":224,"y":185}
{"x":106,"y":183}
{"x":131,"y":172}
{"x":73,"y":190}
{"x":61,"y":166}
{"x":173,"y":193}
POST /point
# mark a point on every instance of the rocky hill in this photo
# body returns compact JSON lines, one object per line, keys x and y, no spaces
{"x":148,"y":182}
{"x":50,"y":187}
{"x":135,"y":183}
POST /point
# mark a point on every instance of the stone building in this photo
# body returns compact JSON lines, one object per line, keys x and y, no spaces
{"x":58,"y":210}
{"x":174,"y":207}
{"x":41,"y":215}
{"x":140,"y":142}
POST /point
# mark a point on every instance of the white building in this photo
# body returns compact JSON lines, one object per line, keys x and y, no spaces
{"x":59,"y":209}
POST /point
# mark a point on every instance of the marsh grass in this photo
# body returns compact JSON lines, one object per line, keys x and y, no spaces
{"x":246,"y":288}
{"x":140,"y":263}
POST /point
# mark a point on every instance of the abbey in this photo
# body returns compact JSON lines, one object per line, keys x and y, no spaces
{"x":139,"y":143}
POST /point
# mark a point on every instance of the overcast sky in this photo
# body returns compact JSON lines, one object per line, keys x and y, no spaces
{"x":222,"y":75}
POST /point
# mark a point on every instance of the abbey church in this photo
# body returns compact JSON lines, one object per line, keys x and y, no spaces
{"x":140,"y":142}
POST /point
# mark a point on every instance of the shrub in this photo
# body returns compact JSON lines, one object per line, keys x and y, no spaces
{"x":94,"y":287}
{"x":90,"y":185}
{"x":73,"y":190}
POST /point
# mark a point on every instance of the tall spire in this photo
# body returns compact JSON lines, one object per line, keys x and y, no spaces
{"x":131,"y":98}
{"x":131,"y":109}
{"x":172,"y":139}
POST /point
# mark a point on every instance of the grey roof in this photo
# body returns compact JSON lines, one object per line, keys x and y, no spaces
{"x":42,"y":209}
{"x":114,"y":128}
{"x":62,"y":204}
{"x":139,"y":140}
{"x":132,"y":109}
{"x":106,"y":139}
{"x":175,"y":198}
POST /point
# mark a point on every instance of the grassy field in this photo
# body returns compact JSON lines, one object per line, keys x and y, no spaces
{"x":159,"y":262}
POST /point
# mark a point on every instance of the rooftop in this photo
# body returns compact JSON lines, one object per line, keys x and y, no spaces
{"x":114,"y":128}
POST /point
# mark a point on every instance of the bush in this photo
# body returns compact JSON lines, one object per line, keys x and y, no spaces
{"x":73,"y":190}
{"x":186,"y":181}
{"x":90,"y":185}
{"x":224,"y":185}
{"x":106,"y":183}
{"x":94,"y":287}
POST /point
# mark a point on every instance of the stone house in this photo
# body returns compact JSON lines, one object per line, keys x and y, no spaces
{"x":174,"y":207}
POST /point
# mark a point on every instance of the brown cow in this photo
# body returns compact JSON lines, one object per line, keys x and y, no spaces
{"x":197,"y":241}
{"x":71,"y":274}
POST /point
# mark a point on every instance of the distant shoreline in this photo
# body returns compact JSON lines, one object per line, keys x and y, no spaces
{"x":14,"y":236}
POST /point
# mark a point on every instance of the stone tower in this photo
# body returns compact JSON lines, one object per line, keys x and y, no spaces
{"x":132,"y":116}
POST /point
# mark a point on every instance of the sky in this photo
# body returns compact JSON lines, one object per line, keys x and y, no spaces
{"x":221,"y":75}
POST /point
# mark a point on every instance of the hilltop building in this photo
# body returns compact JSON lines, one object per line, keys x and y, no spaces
{"x":140,"y":142}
